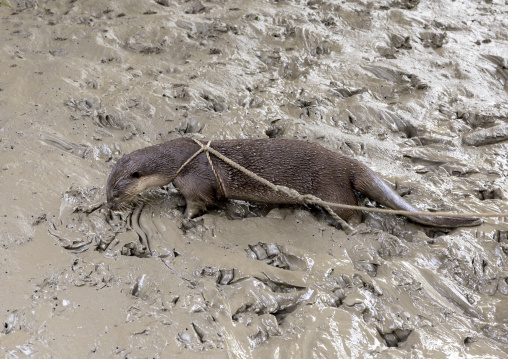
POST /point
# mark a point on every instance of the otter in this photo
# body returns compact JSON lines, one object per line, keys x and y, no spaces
{"x":303,"y":166}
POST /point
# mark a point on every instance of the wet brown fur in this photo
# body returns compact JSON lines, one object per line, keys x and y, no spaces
{"x":304,"y":166}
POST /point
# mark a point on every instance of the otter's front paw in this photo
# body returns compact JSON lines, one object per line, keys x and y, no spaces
{"x":193,"y":209}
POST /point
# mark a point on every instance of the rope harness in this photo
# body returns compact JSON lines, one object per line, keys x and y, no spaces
{"x":204,"y":148}
{"x":311,"y":199}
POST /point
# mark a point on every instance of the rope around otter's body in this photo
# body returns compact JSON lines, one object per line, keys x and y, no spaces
{"x":221,"y":187}
{"x":311,"y":199}
{"x":203,"y":149}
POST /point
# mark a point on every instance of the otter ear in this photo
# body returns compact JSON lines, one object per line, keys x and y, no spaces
{"x":136,"y":175}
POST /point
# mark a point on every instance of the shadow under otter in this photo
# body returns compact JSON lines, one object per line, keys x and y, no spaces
{"x":303,"y":166}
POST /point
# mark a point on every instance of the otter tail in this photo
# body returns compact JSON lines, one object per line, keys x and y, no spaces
{"x":371,"y":185}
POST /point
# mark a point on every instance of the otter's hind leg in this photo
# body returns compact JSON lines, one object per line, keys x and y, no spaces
{"x":344,"y":195}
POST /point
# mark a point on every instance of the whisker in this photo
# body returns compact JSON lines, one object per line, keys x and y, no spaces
{"x":145,"y":200}
{"x":126,"y":208}
{"x":149,"y":204}
{"x":141,"y":199}
{"x":136,"y":202}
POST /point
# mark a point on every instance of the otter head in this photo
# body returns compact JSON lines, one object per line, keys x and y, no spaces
{"x":133,"y":174}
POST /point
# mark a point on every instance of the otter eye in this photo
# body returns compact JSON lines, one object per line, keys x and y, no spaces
{"x":136,"y":175}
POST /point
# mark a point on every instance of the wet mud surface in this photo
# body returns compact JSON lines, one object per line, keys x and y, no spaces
{"x":417,"y":90}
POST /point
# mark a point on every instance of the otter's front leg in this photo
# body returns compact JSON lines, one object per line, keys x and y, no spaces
{"x":198,"y":192}
{"x":194,"y":208}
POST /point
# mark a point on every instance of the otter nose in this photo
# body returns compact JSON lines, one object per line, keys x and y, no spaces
{"x":113,"y":205}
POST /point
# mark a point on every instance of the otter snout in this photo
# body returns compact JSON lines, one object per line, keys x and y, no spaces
{"x":122,"y":187}
{"x":114,"y":201}
{"x":114,"y":205}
